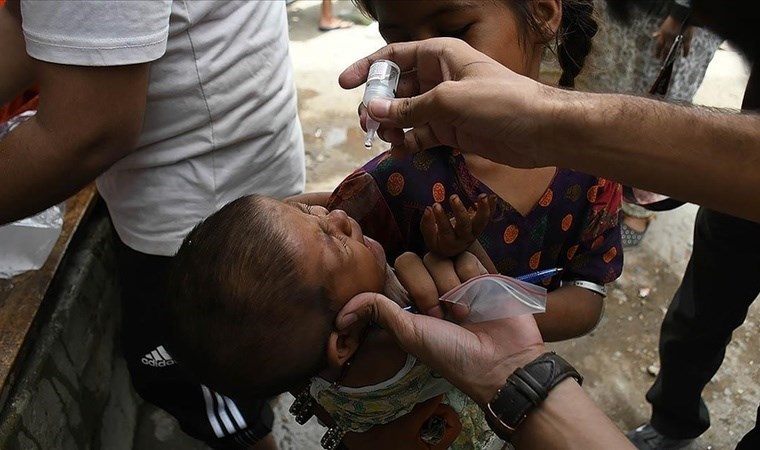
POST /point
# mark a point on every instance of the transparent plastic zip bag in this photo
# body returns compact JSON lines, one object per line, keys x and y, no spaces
{"x":26,"y":243}
{"x":492,"y":297}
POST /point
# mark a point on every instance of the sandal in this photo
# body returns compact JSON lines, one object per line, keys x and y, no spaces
{"x":336,"y":24}
{"x":629,"y":236}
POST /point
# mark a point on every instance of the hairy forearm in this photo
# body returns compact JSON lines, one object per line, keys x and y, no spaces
{"x":690,"y":153}
{"x":569,"y":419}
{"x":570,"y":312}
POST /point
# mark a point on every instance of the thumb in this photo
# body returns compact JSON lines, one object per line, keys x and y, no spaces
{"x":406,"y":112}
{"x":370,"y":307}
{"x":434,"y":341}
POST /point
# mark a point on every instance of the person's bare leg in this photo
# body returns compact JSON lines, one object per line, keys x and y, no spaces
{"x":329,"y":22}
{"x":267,"y":443}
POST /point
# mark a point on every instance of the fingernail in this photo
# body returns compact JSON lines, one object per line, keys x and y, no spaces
{"x":346,"y":321}
{"x":428,"y":211}
{"x":380,"y":108}
{"x":435,"y":311}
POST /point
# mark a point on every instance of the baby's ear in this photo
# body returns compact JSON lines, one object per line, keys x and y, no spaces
{"x":341,"y":345}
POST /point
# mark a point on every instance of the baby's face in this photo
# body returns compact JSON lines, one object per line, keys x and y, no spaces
{"x":332,"y":251}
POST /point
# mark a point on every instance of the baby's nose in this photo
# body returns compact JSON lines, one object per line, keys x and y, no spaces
{"x":340,"y":219}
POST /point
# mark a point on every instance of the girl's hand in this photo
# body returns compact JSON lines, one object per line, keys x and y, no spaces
{"x":450,"y":237}
{"x":666,"y":35}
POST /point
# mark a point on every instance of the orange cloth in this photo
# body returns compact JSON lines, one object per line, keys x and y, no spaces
{"x":24,"y":102}
{"x":404,"y":432}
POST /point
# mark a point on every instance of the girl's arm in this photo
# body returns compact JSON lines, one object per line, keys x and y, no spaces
{"x":571,"y":312}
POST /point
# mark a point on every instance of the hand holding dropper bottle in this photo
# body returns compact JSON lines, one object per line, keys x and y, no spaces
{"x":382,"y":82}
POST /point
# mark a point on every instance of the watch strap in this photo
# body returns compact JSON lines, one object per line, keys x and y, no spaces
{"x":525,"y":389}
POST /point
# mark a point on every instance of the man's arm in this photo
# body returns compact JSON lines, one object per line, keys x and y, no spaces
{"x":464,"y":99}
{"x":569,"y":419}
{"x":88,"y":118}
{"x":690,"y":153}
{"x":15,"y":65}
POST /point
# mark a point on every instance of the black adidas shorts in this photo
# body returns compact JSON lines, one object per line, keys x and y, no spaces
{"x":221,"y":422}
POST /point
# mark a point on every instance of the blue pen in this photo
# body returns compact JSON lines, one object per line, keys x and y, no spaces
{"x":539,"y":276}
{"x":411,"y":308}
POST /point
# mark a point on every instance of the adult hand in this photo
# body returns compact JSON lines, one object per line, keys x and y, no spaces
{"x":453,"y":95}
{"x":476,"y":358}
{"x":667,"y":33}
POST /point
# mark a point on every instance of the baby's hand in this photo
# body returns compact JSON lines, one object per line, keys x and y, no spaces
{"x":450,"y":237}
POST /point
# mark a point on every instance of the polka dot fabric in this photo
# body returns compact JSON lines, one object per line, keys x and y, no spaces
{"x":574,"y":224}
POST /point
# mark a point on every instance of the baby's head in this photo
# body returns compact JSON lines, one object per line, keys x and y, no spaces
{"x":255,"y":290}
{"x":513,"y":32}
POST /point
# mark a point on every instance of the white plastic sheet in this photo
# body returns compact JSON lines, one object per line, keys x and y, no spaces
{"x":26,"y":243}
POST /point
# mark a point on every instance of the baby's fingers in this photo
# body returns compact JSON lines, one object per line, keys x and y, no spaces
{"x":445,"y":230}
{"x":486,"y":205}
{"x":429,"y":228}
{"x":462,"y":223}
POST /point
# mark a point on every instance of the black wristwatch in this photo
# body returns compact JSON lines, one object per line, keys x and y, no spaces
{"x":526,"y":388}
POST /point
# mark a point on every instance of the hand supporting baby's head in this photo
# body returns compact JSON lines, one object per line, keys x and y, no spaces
{"x":255,"y":289}
{"x":241,"y":316}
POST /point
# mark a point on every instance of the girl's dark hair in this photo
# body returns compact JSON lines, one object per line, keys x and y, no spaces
{"x":573,"y":39}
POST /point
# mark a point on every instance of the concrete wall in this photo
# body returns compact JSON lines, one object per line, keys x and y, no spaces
{"x":73,"y":390}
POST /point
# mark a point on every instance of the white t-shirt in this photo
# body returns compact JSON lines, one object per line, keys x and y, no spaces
{"x":221,"y":118}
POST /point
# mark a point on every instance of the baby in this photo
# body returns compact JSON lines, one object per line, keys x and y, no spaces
{"x":251,"y":305}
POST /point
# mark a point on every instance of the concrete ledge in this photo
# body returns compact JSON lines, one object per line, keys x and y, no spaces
{"x":73,"y":389}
